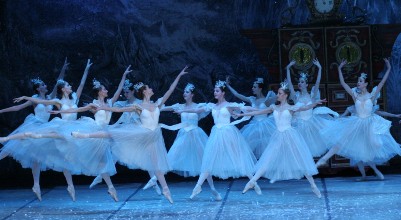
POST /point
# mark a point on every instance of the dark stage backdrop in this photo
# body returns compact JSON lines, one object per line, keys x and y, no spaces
{"x":158,"y":38}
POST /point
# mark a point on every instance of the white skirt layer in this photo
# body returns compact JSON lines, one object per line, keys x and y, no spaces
{"x":227,"y":154}
{"x":286,"y":157}
{"x":185,"y":155}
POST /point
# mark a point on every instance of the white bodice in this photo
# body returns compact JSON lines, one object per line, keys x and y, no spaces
{"x":363,"y":108}
{"x":282,"y":119}
{"x":42,"y":111}
{"x":221,"y":116}
{"x":304,"y":115}
{"x":190,"y":119}
{"x":259,"y":104}
{"x":150,"y":119}
{"x":102,"y":117}
{"x":68,"y":104}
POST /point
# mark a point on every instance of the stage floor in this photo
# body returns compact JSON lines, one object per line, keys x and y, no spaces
{"x":342,"y":198}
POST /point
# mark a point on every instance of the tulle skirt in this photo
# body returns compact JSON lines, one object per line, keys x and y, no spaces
{"x":139,"y":148}
{"x":257,"y":133}
{"x":227,"y":154}
{"x":185,"y":155}
{"x":310,"y":131}
{"x":366,"y":140}
{"x":286,"y":157}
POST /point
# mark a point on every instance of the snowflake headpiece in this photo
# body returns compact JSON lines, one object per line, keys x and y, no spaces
{"x":61,"y":81}
{"x":259,"y":81}
{"x":96,"y":84}
{"x":138,"y":85}
{"x":284,"y":85}
{"x":364,"y":76}
{"x":36,"y":81}
{"x":303,"y":76}
{"x":127,"y":84}
{"x":221,"y":84}
{"x":189,"y":87}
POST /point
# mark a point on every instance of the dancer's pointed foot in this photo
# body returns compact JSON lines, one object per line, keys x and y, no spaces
{"x":167,"y":194}
{"x":79,"y":135}
{"x":3,"y":139}
{"x":321,"y":162}
{"x":248,"y":186}
{"x":216,"y":195}
{"x":257,"y":189}
{"x":113,"y":193}
{"x":36,"y":190}
{"x":149,"y":184}
{"x":379,"y":175}
{"x":196,"y":191}
{"x":316,"y":191}
{"x":157,"y":189}
{"x":71,"y":191}
{"x":96,"y":181}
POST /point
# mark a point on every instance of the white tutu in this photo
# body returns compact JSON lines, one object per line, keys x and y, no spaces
{"x":227,"y":154}
{"x":185,"y":155}
{"x":286,"y":157}
{"x":257,"y":133}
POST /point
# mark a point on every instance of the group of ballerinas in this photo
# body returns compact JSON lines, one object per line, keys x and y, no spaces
{"x":279,"y":146}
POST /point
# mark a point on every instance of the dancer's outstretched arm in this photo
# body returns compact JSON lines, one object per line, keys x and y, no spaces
{"x":381,"y":84}
{"x":291,"y":87}
{"x":16,"y":108}
{"x":173,"y":85}
{"x":258,"y":112}
{"x":38,"y":101}
{"x":81,"y":85}
{"x":345,"y":85}
{"x":88,"y":107}
{"x":60,"y":76}
{"x":235,"y":93}
{"x":307,"y":107}
{"x":120,"y":86}
{"x":388,"y":114}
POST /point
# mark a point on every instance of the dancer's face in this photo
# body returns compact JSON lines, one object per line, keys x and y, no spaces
{"x":103,"y":92}
{"x":218,"y":93}
{"x":255,"y":89}
{"x":148,"y":91}
{"x":67,"y":88}
{"x":128,"y":94}
{"x":361,"y":83}
{"x":187,"y":95}
{"x":42,"y":88}
{"x":281,"y":95}
{"x":302,"y":84}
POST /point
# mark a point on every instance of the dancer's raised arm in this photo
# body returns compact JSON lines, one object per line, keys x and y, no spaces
{"x":60,"y":76}
{"x":319,"y":77}
{"x":173,"y":85}
{"x":81,"y":85}
{"x":290,"y":86}
{"x":341,"y":77}
{"x":121,"y":85}
{"x":381,"y":84}
{"x":235,"y":93}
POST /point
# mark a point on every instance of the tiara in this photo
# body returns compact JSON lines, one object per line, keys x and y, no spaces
{"x":284,"y":85}
{"x":259,"y":80}
{"x":96,"y":84}
{"x":36,"y":81}
{"x":364,"y":76}
{"x":303,"y":76}
{"x":189,"y":87}
{"x":60,"y":81}
{"x":127,"y":84}
{"x":220,"y":83}
{"x":138,"y":85}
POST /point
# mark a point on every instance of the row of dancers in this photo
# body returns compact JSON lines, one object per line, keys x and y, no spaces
{"x":279,"y":143}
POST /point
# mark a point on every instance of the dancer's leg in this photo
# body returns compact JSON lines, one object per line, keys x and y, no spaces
{"x":313,"y":186}
{"x":198,"y":186}
{"x":152,"y":183}
{"x":377,"y":171}
{"x":361,"y":169}
{"x":216,"y":194}
{"x":97,"y":180}
{"x":256,"y":186}
{"x":70,"y":188}
{"x":100,"y":134}
{"x":13,"y":137}
{"x":112,"y":191}
{"x":36,"y":178}
{"x":252,"y":180}
{"x":163,"y":183}
{"x":327,"y":156}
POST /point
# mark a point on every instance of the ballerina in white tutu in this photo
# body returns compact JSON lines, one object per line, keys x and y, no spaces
{"x":364,"y":138}
{"x":48,"y":143}
{"x":185,"y":155}
{"x":308,"y":123}
{"x":258,"y":131}
{"x":287,"y":156}
{"x":227,"y":154}
{"x":94,"y":156}
{"x":32,"y":121}
{"x":141,"y":146}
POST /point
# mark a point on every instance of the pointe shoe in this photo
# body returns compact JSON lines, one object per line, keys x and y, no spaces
{"x":71,"y":191}
{"x":36,"y":190}
{"x":113,"y":193}
{"x":4,"y":139}
{"x":157,"y":189}
{"x":196,"y":191}
{"x":167,"y":194}
{"x":248,"y":186}
{"x":216,"y":194}
{"x":257,"y":189}
{"x":316,"y":191}
{"x":96,"y":181}
{"x":380,"y":176}
{"x":149,"y":184}
{"x":79,"y":135}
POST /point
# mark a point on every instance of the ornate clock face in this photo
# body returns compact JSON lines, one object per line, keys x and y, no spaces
{"x":323,"y":6}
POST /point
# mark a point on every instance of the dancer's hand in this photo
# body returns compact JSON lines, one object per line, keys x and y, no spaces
{"x":387,"y":61}
{"x":236,"y":115}
{"x":183,"y":71}
{"x":319,"y":102}
{"x":292,"y":63}
{"x":66,"y":63}
{"x":228,"y":80}
{"x":54,"y":112}
{"x":342,"y":64}
{"x":128,"y":70}
{"x":88,"y":64}
{"x":178,"y":111}
{"x":19,"y":99}
{"x":317,"y":63}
